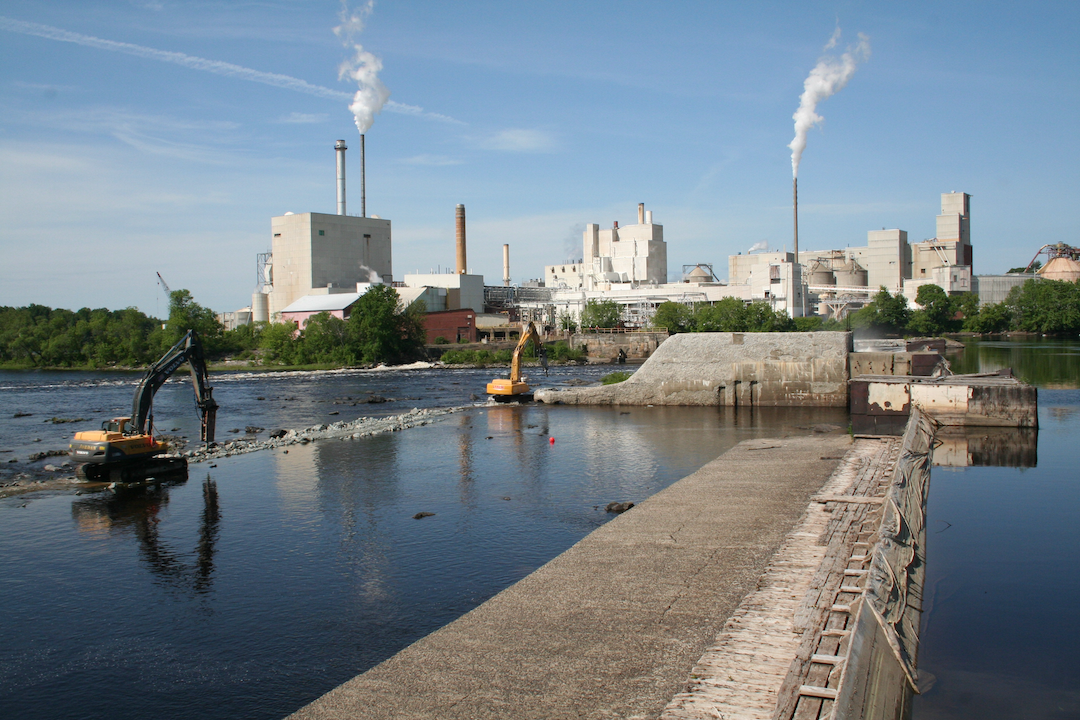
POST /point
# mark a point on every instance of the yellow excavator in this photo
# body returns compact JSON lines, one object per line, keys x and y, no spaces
{"x":515,"y":388}
{"x":125,"y":449}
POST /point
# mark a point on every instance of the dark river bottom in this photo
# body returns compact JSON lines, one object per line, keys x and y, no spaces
{"x":257,"y":585}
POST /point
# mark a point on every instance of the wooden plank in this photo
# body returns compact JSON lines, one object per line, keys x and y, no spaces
{"x":820,"y":692}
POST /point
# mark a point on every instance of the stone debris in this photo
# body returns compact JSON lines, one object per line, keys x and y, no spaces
{"x":342,"y":430}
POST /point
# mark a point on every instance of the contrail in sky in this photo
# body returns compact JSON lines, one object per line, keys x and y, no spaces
{"x":216,"y":67}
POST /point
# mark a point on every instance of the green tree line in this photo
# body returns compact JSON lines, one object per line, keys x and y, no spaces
{"x":379,"y":330}
{"x":1049,"y":307}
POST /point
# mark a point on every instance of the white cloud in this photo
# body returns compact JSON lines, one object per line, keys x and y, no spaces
{"x":520,"y":140}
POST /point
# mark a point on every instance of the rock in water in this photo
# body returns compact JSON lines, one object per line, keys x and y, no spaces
{"x":422,"y":515}
{"x":618,"y":507}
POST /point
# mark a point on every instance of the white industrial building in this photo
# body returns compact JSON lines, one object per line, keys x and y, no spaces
{"x":625,"y":257}
{"x":628,"y":265}
{"x":837,"y":281}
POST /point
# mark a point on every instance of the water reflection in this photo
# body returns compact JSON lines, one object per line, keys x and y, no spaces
{"x":139,"y":511}
{"x":986,"y":446}
{"x":354,"y":489}
{"x":1043,"y":362}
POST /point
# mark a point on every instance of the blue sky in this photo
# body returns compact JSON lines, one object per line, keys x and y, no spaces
{"x":540,"y":117}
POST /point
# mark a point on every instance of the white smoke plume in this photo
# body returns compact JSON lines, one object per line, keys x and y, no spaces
{"x":828,"y":77}
{"x":363,"y":68}
{"x":759,"y":246}
{"x":373,"y":277}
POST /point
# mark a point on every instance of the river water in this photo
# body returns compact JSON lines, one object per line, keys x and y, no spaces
{"x":261,"y":583}
{"x":265,"y":580}
{"x":1000,"y":624}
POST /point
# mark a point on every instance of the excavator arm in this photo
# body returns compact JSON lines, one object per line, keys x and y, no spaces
{"x":188,"y":350}
{"x":514,"y":387}
{"x":533,"y":335}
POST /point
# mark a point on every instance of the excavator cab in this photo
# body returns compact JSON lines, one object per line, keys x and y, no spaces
{"x":116,"y":425}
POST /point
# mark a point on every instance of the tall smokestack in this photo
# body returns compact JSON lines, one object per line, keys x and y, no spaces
{"x":641,"y":213}
{"x":506,"y":266}
{"x":341,"y":148}
{"x":795,"y":206}
{"x":460,"y":217}
{"x":363,"y":178}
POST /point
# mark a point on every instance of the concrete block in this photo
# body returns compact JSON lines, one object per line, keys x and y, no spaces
{"x":758,"y":369}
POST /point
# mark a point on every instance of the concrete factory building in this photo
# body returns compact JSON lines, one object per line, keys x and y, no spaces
{"x":322,"y":254}
{"x":840,"y":280}
{"x":319,"y":254}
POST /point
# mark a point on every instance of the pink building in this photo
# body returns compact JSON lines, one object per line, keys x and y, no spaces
{"x":339,"y":305}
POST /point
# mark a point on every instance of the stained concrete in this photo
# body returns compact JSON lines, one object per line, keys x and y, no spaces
{"x":736,"y":369}
{"x":613,"y":626}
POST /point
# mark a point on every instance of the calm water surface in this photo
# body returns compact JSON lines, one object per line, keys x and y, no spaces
{"x":257,"y":585}
{"x":1001,"y":628}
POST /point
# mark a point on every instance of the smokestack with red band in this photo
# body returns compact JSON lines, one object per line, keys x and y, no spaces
{"x":506,"y":266}
{"x":461,"y":267}
{"x":341,"y":148}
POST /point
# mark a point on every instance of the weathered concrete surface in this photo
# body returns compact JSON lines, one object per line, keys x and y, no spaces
{"x":762,"y":369}
{"x":988,"y":400}
{"x":894,"y":363}
{"x":613,"y":626}
{"x":605,"y":346}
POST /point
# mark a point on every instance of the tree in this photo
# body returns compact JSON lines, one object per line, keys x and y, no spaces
{"x":936,"y":314}
{"x":886,"y":312}
{"x":382,"y":331}
{"x":566,"y":322}
{"x":1046,"y":306}
{"x":992,"y":318}
{"x":675,"y":316}
{"x":281,"y":343}
{"x":600,"y":314}
{"x":325,"y":341}
{"x":761,"y":317}
{"x":186,"y":314}
{"x":727,"y":315}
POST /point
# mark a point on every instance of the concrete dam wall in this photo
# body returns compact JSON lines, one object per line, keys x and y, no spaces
{"x":738,"y":369}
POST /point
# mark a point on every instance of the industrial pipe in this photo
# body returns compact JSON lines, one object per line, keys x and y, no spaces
{"x":341,"y":148}
{"x":795,"y":206}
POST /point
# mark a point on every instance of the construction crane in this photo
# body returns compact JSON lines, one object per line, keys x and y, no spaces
{"x":165,"y":287}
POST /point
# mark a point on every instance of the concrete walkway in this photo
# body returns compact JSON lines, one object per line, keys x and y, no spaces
{"x":612,"y":627}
